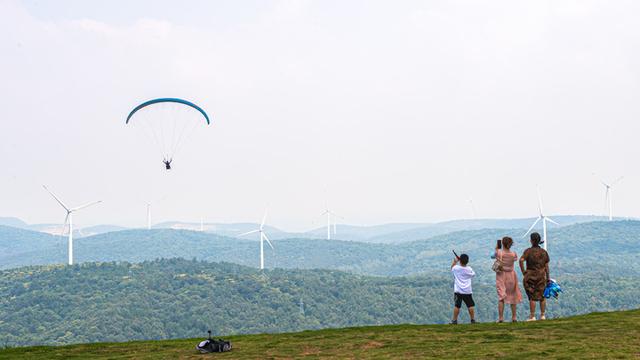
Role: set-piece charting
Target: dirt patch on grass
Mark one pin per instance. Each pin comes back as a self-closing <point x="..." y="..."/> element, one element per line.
<point x="372" y="345"/>
<point x="310" y="350"/>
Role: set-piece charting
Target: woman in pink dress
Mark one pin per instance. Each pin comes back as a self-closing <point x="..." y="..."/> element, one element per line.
<point x="507" y="280"/>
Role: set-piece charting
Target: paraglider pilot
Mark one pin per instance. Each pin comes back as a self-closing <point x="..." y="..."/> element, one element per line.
<point x="167" y="163"/>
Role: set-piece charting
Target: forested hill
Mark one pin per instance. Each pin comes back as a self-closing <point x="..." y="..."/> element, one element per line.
<point x="183" y="298"/>
<point x="578" y="248"/>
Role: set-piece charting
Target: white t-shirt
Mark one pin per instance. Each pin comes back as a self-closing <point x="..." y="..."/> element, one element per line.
<point x="463" y="276"/>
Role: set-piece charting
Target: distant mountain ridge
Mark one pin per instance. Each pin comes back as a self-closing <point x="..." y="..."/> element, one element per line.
<point x="446" y="227"/>
<point x="56" y="229"/>
<point x="13" y="222"/>
<point x="595" y="244"/>
<point x="383" y="233"/>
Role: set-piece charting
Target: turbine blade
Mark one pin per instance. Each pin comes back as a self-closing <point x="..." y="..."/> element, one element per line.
<point x="606" y="201"/>
<point x="551" y="220"/>
<point x="532" y="226"/>
<point x="539" y="201"/>
<point x="248" y="232"/>
<point x="66" y="221"/>
<point x="268" y="241"/>
<point x="86" y="205"/>
<point x="55" y="197"/>
<point x="617" y="180"/>
<point x="264" y="218"/>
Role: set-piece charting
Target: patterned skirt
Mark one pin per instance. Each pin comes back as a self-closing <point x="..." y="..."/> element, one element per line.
<point x="534" y="282"/>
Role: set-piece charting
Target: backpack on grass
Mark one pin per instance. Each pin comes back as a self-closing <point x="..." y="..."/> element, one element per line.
<point x="213" y="345"/>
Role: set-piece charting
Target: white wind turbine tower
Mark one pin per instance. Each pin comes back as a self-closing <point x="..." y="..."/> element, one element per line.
<point x="330" y="214"/>
<point x="544" y="219"/>
<point x="150" y="204"/>
<point x="473" y="209"/>
<point x="263" y="237"/>
<point x="148" y="216"/>
<point x="608" y="197"/>
<point x="69" y="219"/>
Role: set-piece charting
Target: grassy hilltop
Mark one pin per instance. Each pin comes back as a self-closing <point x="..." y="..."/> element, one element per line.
<point x="614" y="335"/>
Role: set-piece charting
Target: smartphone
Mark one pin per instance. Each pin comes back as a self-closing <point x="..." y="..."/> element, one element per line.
<point x="499" y="244"/>
<point x="456" y="255"/>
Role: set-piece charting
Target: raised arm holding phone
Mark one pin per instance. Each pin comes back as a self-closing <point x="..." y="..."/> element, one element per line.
<point x="462" y="292"/>
<point x="456" y="259"/>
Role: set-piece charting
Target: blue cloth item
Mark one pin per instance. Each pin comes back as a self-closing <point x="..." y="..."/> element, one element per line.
<point x="552" y="289"/>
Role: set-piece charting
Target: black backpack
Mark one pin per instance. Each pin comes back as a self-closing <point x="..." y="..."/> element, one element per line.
<point x="213" y="345"/>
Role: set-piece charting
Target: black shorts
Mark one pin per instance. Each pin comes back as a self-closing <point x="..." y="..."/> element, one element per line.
<point x="467" y="298"/>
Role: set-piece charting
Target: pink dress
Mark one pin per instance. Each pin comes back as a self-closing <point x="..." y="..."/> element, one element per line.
<point x="507" y="280"/>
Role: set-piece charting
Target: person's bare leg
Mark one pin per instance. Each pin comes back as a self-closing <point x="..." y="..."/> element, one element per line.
<point x="543" y="307"/>
<point x="500" y="310"/>
<point x="472" y="313"/>
<point x="514" y="315"/>
<point x="532" y="309"/>
<point x="456" y="311"/>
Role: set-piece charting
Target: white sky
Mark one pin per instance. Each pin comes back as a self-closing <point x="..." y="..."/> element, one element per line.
<point x="401" y="109"/>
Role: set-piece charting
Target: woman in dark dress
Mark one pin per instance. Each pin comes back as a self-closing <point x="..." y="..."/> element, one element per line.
<point x="536" y="275"/>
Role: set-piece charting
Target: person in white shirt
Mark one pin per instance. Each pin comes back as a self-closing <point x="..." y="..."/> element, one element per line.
<point x="462" y="287"/>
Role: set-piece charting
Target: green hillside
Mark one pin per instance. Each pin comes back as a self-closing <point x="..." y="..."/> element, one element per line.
<point x="176" y="298"/>
<point x="614" y="335"/>
<point x="577" y="249"/>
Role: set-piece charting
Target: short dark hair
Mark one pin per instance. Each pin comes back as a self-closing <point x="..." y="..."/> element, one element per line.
<point x="507" y="242"/>
<point x="464" y="259"/>
<point x="535" y="239"/>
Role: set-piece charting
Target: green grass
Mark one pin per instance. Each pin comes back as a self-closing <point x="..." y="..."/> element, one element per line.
<point x="614" y="335"/>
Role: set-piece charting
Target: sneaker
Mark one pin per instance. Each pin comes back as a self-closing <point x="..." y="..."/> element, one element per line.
<point x="473" y="321"/>
<point x="531" y="319"/>
<point x="542" y="317"/>
<point x="499" y="321"/>
<point x="514" y="321"/>
<point x="453" y="322"/>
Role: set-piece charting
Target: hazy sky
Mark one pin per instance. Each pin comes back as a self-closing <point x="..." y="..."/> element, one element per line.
<point x="402" y="110"/>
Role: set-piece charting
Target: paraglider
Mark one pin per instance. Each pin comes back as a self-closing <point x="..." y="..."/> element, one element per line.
<point x="169" y="122"/>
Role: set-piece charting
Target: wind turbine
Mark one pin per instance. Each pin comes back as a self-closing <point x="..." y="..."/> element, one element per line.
<point x="69" y="219"/>
<point x="150" y="203"/>
<point x="473" y="209"/>
<point x="544" y="219"/>
<point x="329" y="214"/>
<point x="263" y="237"/>
<point x="608" y="198"/>
<point x="148" y="216"/>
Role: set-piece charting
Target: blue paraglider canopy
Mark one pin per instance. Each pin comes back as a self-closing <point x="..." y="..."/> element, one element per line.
<point x="162" y="100"/>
